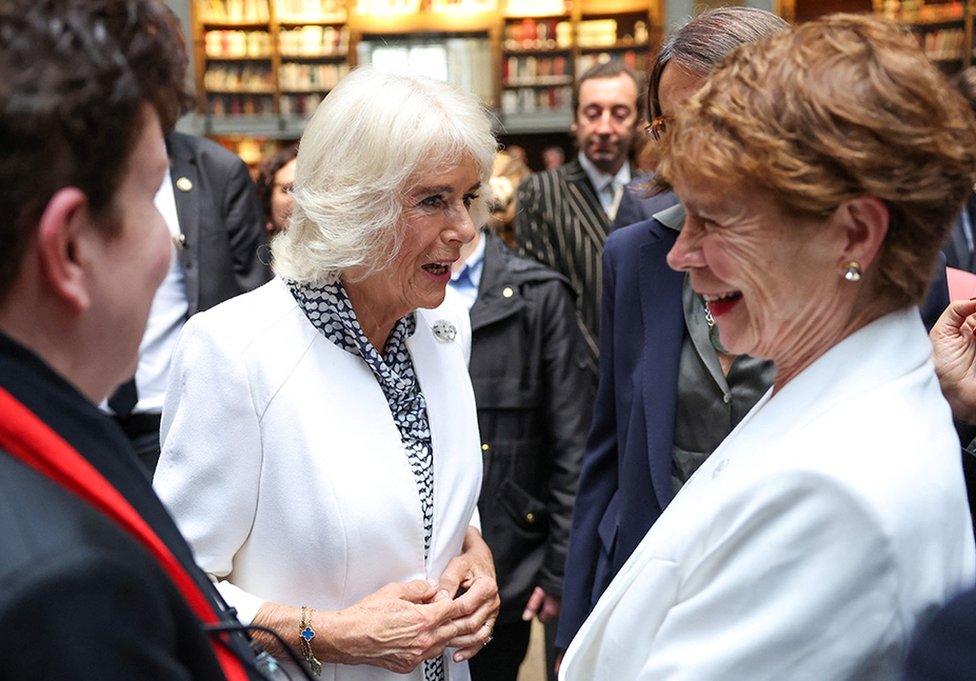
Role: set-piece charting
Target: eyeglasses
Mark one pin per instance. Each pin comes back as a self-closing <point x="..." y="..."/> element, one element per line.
<point x="658" y="126"/>
<point x="262" y="664"/>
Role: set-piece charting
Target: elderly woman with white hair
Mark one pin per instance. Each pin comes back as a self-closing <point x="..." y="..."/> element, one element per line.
<point x="320" y="446"/>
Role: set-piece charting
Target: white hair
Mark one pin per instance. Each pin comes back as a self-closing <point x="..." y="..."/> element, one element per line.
<point x="368" y="144"/>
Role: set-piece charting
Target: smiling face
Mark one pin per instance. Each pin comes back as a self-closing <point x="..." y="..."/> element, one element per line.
<point x="605" y="120"/>
<point x="435" y="224"/>
<point x="771" y="281"/>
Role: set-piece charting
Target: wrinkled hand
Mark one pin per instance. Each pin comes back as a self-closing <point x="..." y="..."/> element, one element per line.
<point x="954" y="355"/>
<point x="541" y="605"/>
<point x="396" y="628"/>
<point x="473" y="571"/>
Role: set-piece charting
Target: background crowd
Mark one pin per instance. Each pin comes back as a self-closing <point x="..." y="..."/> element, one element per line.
<point x="374" y="413"/>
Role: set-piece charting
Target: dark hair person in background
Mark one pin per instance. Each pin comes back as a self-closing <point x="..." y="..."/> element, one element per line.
<point x="564" y="214"/>
<point x="834" y="517"/>
<point x="276" y="176"/>
<point x="667" y="396"/>
<point x="97" y="581"/>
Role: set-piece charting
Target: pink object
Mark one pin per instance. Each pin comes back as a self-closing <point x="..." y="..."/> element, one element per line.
<point x="962" y="284"/>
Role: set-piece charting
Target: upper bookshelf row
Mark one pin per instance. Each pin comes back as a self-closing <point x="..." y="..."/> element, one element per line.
<point x="274" y="60"/>
<point x="253" y="12"/>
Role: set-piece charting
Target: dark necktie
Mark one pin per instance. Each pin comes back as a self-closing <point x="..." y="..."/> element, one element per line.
<point x="124" y="399"/>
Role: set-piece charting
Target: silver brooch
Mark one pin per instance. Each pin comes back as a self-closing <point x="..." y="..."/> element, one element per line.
<point x="444" y="331"/>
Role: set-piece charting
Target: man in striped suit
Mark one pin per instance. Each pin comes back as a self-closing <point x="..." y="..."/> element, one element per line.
<point x="564" y="215"/>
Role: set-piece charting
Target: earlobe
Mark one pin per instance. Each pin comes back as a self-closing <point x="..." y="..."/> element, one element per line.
<point x="62" y="228"/>
<point x="865" y="222"/>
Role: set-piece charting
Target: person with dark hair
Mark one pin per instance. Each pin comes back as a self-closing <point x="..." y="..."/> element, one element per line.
<point x="214" y="219"/>
<point x="276" y="175"/>
<point x="97" y="581"/>
<point x="564" y="214"/>
<point x="833" y="518"/>
<point x="668" y="395"/>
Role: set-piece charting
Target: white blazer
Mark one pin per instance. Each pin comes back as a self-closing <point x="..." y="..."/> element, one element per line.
<point x="813" y="540"/>
<point x="284" y="469"/>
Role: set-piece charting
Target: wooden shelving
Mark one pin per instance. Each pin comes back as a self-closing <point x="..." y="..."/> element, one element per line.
<point x="302" y="47"/>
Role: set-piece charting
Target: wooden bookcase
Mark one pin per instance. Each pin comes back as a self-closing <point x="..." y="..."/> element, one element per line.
<point x="944" y="27"/>
<point x="262" y="66"/>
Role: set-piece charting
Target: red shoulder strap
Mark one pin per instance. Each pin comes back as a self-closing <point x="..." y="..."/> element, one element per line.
<point x="33" y="442"/>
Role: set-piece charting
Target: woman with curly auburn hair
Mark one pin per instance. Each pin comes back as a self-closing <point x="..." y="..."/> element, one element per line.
<point x="821" y="170"/>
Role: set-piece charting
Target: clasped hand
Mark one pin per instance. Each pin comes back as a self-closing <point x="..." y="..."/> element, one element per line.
<point x="403" y="624"/>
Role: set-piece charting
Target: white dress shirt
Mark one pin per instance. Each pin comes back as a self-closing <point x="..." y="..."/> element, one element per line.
<point x="167" y="315"/>
<point x="609" y="188"/>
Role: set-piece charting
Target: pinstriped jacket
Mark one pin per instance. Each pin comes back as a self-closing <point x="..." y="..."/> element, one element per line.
<point x="561" y="223"/>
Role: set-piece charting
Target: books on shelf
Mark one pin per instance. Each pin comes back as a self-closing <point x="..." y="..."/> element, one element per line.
<point x="239" y="105"/>
<point x="536" y="100"/>
<point x="536" y="70"/>
<point x="244" y="78"/>
<point x="224" y="43"/>
<point x="919" y="12"/>
<point x="310" y="77"/>
<point x="313" y="41"/>
<point x="944" y="44"/>
<point x="321" y="11"/>
<point x="536" y="34"/>
<point x="234" y="11"/>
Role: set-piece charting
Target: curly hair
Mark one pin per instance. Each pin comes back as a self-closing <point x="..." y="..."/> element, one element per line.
<point x="837" y="108"/>
<point x="75" y="76"/>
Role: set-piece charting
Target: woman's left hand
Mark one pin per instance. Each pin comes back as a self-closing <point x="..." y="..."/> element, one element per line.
<point x="954" y="356"/>
<point x="473" y="571"/>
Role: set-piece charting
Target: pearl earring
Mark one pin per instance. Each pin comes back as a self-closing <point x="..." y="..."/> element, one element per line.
<point x="852" y="272"/>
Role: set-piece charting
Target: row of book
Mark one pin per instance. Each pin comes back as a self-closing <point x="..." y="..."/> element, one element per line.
<point x="240" y="105"/>
<point x="234" y="11"/>
<point x="300" y="105"/>
<point x="254" y="44"/>
<point x="635" y="59"/>
<point x="532" y="70"/>
<point x="609" y="32"/>
<point x="535" y="100"/>
<point x="944" y="44"/>
<point x="314" y="41"/>
<point x="252" y="78"/>
<point x="538" y="34"/>
<point x="310" y="10"/>
<point x="308" y="77"/>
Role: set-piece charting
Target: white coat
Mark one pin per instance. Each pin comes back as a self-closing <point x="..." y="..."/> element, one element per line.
<point x="284" y="469"/>
<point x="813" y="540"/>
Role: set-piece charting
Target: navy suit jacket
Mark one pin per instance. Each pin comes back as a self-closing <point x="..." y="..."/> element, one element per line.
<point x="945" y="649"/>
<point x="625" y="480"/>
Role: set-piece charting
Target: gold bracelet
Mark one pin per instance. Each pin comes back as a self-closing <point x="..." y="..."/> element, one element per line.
<point x="305" y="635"/>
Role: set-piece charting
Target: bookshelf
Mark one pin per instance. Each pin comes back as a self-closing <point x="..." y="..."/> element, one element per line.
<point x="944" y="27"/>
<point x="262" y="66"/>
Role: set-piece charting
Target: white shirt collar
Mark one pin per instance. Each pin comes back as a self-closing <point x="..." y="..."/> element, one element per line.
<point x="599" y="178"/>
